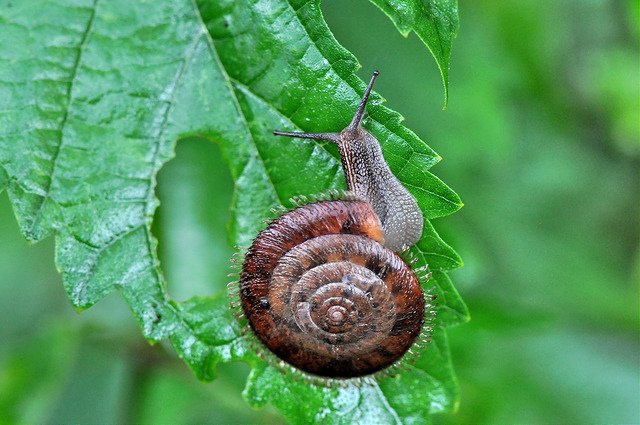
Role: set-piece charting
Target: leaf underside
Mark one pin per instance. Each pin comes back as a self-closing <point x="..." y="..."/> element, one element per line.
<point x="94" y="96"/>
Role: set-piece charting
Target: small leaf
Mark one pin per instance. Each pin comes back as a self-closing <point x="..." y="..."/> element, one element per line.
<point x="434" y="21"/>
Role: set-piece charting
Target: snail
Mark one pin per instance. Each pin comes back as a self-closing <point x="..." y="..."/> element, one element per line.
<point x="323" y="286"/>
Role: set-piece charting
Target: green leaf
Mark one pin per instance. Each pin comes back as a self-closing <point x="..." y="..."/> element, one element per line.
<point x="434" y="21"/>
<point x="428" y="385"/>
<point x="451" y="309"/>
<point x="432" y="250"/>
<point x="96" y="94"/>
<point x="364" y="403"/>
<point x="211" y="335"/>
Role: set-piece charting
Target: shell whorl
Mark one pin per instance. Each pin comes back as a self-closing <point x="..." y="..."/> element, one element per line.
<point x="323" y="294"/>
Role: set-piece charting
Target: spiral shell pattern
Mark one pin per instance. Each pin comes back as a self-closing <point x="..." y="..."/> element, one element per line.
<point x="323" y="294"/>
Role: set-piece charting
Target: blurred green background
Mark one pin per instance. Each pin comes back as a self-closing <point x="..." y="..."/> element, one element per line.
<point x="541" y="139"/>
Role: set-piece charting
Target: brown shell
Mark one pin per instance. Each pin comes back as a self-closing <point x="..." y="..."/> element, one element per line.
<point x="322" y="293"/>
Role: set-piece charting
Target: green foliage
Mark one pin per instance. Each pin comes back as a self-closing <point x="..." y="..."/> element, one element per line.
<point x="536" y="142"/>
<point x="435" y="22"/>
<point x="95" y="96"/>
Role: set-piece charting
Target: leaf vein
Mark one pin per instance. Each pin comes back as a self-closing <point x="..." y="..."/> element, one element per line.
<point x="65" y="116"/>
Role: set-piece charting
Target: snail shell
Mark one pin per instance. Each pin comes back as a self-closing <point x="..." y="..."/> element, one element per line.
<point x="323" y="294"/>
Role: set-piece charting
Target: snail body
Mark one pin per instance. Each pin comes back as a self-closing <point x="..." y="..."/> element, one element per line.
<point x="369" y="177"/>
<point x="322" y="287"/>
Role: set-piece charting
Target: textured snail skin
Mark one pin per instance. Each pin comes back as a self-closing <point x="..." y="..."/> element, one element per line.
<point x="321" y="291"/>
<point x="368" y="176"/>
